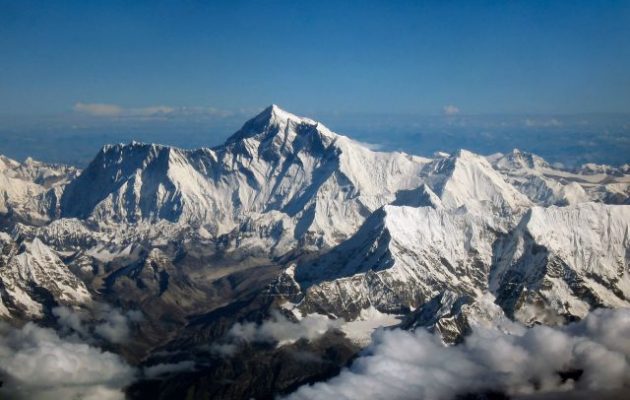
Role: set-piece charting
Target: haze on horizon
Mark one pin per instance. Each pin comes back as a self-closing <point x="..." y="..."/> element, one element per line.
<point x="548" y="77"/>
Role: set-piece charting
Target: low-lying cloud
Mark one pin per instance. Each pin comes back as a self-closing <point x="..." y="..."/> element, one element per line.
<point x="278" y="329"/>
<point x="416" y="365"/>
<point x="37" y="364"/>
<point x="282" y="330"/>
<point x="101" y="321"/>
<point x="158" y="370"/>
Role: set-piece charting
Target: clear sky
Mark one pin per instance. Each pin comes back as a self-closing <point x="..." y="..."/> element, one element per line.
<point x="86" y="64"/>
<point x="314" y="56"/>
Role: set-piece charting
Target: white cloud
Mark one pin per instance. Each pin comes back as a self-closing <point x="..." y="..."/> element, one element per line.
<point x="278" y="329"/>
<point x="543" y="123"/>
<point x="406" y="365"/>
<point x="37" y="364"/>
<point x="114" y="325"/>
<point x="450" y="110"/>
<point x="102" y="321"/>
<point x="98" y="109"/>
<point x="159" y="111"/>
<point x="163" y="369"/>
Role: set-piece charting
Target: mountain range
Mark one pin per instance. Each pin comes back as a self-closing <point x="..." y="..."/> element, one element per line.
<point x="290" y="222"/>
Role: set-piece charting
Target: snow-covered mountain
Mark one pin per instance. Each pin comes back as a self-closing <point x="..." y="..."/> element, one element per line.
<point x="288" y="215"/>
<point x="30" y="191"/>
<point x="547" y="186"/>
<point x="277" y="168"/>
<point x="466" y="180"/>
<point x="33" y="278"/>
<point x="288" y="222"/>
<point x="399" y="259"/>
<point x="560" y="262"/>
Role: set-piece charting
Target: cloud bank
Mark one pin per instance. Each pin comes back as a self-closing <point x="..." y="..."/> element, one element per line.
<point x="406" y="365"/>
<point x="37" y="364"/>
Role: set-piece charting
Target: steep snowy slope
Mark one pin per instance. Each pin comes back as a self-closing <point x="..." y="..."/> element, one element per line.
<point x="466" y="180"/>
<point x="46" y="175"/>
<point x="33" y="278"/>
<point x="557" y="264"/>
<point x="326" y="184"/>
<point x="19" y="195"/>
<point x="547" y="186"/>
<point x="562" y="261"/>
<point x="30" y="191"/>
<point x="399" y="259"/>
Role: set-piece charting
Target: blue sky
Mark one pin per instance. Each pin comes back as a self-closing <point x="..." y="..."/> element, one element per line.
<point x="343" y="56"/>
<point x="87" y="65"/>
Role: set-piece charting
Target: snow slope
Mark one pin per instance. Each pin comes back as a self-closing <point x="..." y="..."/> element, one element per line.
<point x="547" y="186"/>
<point x="562" y="261"/>
<point x="30" y="191"/>
<point x="399" y="259"/>
<point x="33" y="277"/>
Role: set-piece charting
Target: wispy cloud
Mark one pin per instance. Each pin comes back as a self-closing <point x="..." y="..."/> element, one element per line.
<point x="118" y="111"/>
<point x="164" y="369"/>
<point x="102" y="322"/>
<point x="278" y="329"/>
<point x="542" y="123"/>
<point x="450" y="110"/>
<point x="98" y="109"/>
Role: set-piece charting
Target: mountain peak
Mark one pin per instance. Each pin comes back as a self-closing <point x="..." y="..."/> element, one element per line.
<point x="275" y="112"/>
<point x="269" y="122"/>
<point x="468" y="179"/>
<point x="518" y="159"/>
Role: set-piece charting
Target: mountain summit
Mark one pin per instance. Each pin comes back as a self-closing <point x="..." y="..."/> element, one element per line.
<point x="271" y="121"/>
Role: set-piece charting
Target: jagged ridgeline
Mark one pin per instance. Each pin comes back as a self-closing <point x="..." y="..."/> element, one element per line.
<point x="290" y="221"/>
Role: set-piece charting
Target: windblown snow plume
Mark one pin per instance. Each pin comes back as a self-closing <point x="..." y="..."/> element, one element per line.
<point x="37" y="364"/>
<point x="591" y="355"/>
